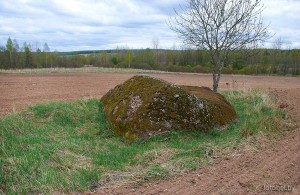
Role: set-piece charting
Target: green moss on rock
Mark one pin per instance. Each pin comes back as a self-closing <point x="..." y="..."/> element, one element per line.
<point x="144" y="106"/>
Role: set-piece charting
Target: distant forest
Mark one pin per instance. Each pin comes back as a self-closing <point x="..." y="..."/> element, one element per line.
<point x="260" y="61"/>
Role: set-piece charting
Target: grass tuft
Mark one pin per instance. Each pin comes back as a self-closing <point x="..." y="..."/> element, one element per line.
<point x="70" y="147"/>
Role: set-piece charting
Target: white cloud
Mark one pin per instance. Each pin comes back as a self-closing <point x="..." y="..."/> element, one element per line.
<point x="284" y="19"/>
<point x="106" y="24"/>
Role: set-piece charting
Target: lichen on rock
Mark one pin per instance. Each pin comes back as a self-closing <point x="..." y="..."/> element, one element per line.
<point x="144" y="106"/>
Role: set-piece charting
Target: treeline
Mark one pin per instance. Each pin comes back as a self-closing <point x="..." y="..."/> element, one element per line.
<point x="262" y="61"/>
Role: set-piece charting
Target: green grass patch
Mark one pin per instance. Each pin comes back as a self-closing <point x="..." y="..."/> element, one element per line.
<point x="70" y="147"/>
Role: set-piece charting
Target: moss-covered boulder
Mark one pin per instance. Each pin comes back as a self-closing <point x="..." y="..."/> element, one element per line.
<point x="144" y="106"/>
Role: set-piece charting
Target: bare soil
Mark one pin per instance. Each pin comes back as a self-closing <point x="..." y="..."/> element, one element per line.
<point x="275" y="164"/>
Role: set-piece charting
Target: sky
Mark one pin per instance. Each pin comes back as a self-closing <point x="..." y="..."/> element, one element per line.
<point x="72" y="25"/>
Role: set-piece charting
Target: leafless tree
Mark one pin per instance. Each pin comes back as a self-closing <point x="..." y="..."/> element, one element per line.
<point x="220" y="26"/>
<point x="46" y="50"/>
<point x="276" y="55"/>
<point x="155" y="42"/>
<point x="277" y="44"/>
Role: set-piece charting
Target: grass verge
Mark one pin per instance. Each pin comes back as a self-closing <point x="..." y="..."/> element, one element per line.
<point x="69" y="147"/>
<point x="76" y="70"/>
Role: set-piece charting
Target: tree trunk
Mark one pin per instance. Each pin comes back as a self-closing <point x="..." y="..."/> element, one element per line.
<point x="216" y="80"/>
<point x="10" y="60"/>
<point x="215" y="83"/>
<point x="47" y="60"/>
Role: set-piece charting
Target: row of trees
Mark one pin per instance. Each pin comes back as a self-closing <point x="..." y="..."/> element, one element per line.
<point x="12" y="56"/>
<point x="263" y="61"/>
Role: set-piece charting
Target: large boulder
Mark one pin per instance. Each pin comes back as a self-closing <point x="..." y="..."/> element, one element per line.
<point x="144" y="106"/>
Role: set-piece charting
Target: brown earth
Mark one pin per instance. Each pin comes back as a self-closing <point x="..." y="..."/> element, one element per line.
<point x="247" y="173"/>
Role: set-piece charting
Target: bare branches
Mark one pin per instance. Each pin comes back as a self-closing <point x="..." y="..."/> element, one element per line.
<point x="220" y="26"/>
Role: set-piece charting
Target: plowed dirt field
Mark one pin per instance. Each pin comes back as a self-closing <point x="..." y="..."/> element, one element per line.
<point x="276" y="164"/>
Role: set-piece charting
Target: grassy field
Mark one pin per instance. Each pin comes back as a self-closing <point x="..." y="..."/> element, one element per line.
<point x="70" y="147"/>
<point x="75" y="70"/>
